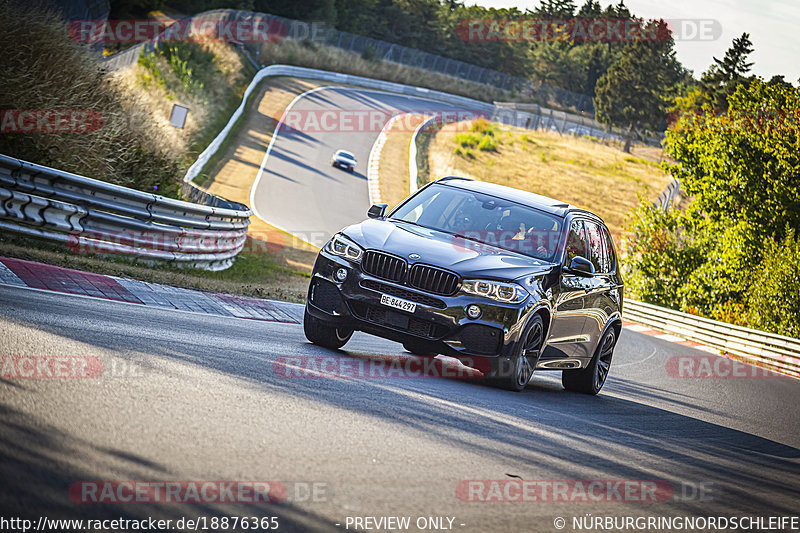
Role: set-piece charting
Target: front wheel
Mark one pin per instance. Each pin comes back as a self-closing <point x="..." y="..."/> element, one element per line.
<point x="591" y="379"/>
<point x="518" y="373"/>
<point x="325" y="335"/>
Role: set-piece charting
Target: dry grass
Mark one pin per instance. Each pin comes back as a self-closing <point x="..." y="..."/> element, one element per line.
<point x="44" y="70"/>
<point x="394" y="160"/>
<point x="580" y="171"/>
<point x="136" y="147"/>
<point x="307" y="54"/>
<point x="221" y="86"/>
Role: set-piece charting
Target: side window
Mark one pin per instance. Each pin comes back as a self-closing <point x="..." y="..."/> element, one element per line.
<point x="576" y="241"/>
<point x="609" y="251"/>
<point x="597" y="250"/>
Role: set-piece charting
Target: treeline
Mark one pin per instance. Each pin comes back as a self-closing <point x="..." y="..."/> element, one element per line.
<point x="436" y="26"/>
<point x="734" y="253"/>
<point x="634" y="83"/>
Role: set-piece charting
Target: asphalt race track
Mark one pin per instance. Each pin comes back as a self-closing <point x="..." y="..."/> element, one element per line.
<point x="189" y="397"/>
<point x="297" y="189"/>
<point x="207" y="398"/>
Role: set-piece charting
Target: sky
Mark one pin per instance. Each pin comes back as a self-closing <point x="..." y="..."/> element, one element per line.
<point x="773" y="25"/>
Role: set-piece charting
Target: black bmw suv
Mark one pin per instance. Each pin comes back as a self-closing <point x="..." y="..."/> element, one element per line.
<point x="505" y="280"/>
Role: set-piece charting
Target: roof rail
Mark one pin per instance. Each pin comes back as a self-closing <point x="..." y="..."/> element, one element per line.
<point x="453" y="178"/>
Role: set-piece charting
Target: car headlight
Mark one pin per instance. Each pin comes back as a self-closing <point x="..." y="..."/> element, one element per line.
<point x="496" y="290"/>
<point x="344" y="247"/>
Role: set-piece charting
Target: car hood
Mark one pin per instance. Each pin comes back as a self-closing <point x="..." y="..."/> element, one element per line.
<point x="467" y="258"/>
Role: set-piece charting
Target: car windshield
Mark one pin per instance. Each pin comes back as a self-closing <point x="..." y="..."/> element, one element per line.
<point x="346" y="155"/>
<point x="484" y="219"/>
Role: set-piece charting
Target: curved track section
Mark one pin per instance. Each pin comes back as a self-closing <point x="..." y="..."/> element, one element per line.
<point x="297" y="189"/>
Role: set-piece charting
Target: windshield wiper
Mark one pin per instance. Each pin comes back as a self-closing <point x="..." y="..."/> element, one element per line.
<point x="408" y="222"/>
<point x="473" y="239"/>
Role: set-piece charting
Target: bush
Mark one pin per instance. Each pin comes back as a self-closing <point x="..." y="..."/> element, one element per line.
<point x="718" y="287"/>
<point x="727" y="257"/>
<point x="488" y="144"/>
<point x="369" y="54"/>
<point x="773" y="302"/>
<point x="660" y="255"/>
<point x="482" y="126"/>
<point x="467" y="140"/>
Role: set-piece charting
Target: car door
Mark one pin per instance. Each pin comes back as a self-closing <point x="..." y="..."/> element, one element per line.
<point x="567" y="337"/>
<point x="599" y="303"/>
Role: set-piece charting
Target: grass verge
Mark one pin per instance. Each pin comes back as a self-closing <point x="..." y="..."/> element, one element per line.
<point x="584" y="172"/>
<point x="312" y="55"/>
<point x="257" y="272"/>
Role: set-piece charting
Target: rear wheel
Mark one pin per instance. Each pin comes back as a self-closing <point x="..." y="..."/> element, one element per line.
<point x="591" y="379"/>
<point x="323" y="334"/>
<point x="516" y="375"/>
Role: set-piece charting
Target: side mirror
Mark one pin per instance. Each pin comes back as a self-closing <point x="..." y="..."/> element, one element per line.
<point x="580" y="266"/>
<point x="377" y="211"/>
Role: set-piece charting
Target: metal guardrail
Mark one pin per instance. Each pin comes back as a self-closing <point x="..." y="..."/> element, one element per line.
<point x="413" y="168"/>
<point x="93" y="216"/>
<point x="667" y="196"/>
<point x="769" y="350"/>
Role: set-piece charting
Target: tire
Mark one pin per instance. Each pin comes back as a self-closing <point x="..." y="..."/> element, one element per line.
<point x="515" y="377"/>
<point x="591" y="379"/>
<point x="325" y="335"/>
<point x="418" y="349"/>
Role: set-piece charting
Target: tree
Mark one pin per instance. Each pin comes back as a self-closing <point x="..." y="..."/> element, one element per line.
<point x="779" y="80"/>
<point x="590" y="9"/>
<point x="726" y="74"/>
<point x="744" y="164"/>
<point x="635" y="89"/>
<point x="734" y="64"/>
<point x="734" y="253"/>
<point x="558" y="9"/>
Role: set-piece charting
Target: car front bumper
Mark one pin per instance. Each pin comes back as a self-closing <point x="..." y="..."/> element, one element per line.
<point x="343" y="164"/>
<point x="439" y="323"/>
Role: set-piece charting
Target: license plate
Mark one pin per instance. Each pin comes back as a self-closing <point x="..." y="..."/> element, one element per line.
<point x="398" y="303"/>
